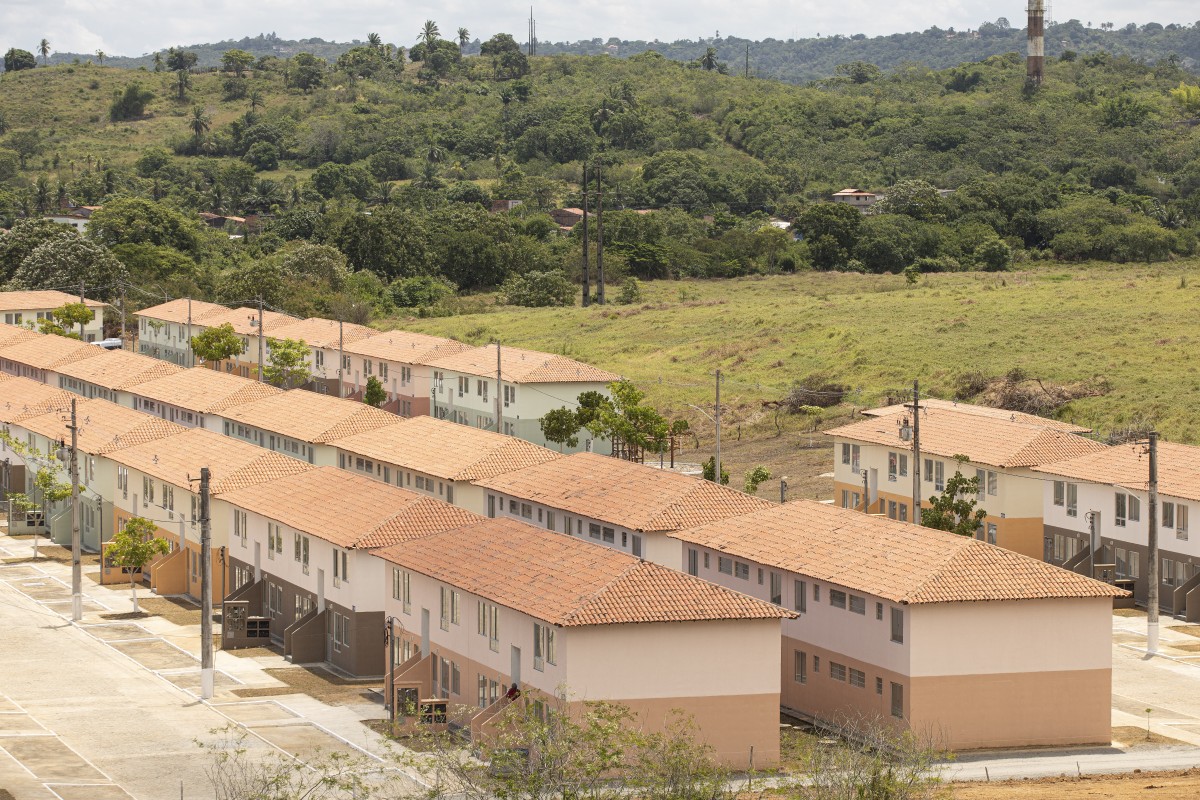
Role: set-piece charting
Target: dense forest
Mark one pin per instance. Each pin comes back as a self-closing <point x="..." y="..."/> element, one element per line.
<point x="791" y="60"/>
<point x="370" y="178"/>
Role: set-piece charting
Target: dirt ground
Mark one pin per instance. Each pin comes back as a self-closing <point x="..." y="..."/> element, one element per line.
<point x="54" y="552"/>
<point x="1183" y="785"/>
<point x="179" y="610"/>
<point x="316" y="683"/>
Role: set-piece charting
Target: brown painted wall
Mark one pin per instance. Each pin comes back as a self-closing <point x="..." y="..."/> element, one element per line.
<point x="830" y="699"/>
<point x="1014" y="709"/>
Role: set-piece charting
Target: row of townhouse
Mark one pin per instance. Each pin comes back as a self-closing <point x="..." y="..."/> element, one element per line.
<point x="501" y="389"/>
<point x="28" y="308"/>
<point x="376" y="580"/>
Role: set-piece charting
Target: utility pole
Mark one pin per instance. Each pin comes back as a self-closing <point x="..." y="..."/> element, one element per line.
<point x="76" y="511"/>
<point x="587" y="279"/>
<point x="206" y="606"/>
<point x="191" y="362"/>
<point x="599" y="237"/>
<point x="260" y="339"/>
<point x="747" y="59"/>
<point x="1152" y="573"/>
<point x="717" y="457"/>
<point x="341" y="356"/>
<point x="499" y="385"/>
<point x="83" y="301"/>
<point x="122" y="306"/>
<point x="916" y="467"/>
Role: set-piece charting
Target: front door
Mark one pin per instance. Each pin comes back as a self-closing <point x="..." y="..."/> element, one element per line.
<point x="515" y="665"/>
<point x="257" y="561"/>
<point x="320" y="590"/>
<point x="424" y="632"/>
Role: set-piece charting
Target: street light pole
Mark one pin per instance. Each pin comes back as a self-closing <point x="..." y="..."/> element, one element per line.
<point x="717" y="456"/>
<point x="1152" y="575"/>
<point x="76" y="542"/>
<point x="206" y="609"/>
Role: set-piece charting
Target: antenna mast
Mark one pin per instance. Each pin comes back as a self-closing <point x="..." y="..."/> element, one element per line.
<point x="1035" y="63"/>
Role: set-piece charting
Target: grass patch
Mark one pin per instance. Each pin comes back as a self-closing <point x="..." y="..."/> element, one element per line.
<point x="1133" y="737"/>
<point x="1190" y="630"/>
<point x="1129" y="612"/>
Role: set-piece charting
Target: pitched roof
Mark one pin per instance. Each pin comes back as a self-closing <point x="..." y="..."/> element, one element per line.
<point x="21" y="398"/>
<point x="234" y="464"/>
<point x="205" y="390"/>
<point x="36" y="300"/>
<point x="893" y="560"/>
<point x="245" y="320"/>
<point x="446" y="450"/>
<point x="118" y="369"/>
<point x="523" y="366"/>
<point x="177" y="310"/>
<point x="49" y="352"/>
<point x="405" y="347"/>
<point x="11" y="334"/>
<point x="311" y="417"/>
<point x="1128" y="466"/>
<point x="104" y="426"/>
<point x="317" y="332"/>
<point x="981" y="411"/>
<point x="634" y="496"/>
<point x="566" y="581"/>
<point x="350" y="510"/>
<point x="983" y="440"/>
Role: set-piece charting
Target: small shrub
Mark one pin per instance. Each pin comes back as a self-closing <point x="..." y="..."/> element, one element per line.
<point x="815" y="390"/>
<point x="631" y="292"/>
<point x="421" y="291"/>
<point x="538" y="290"/>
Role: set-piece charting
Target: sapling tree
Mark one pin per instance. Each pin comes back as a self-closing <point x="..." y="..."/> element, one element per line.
<point x="287" y="366"/>
<point x="374" y="395"/>
<point x="955" y="509"/>
<point x="49" y="484"/>
<point x="65" y="319"/>
<point x="560" y="426"/>
<point x="133" y="547"/>
<point x="217" y="343"/>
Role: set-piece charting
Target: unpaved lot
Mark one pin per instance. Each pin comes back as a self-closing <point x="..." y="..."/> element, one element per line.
<point x="1158" y="785"/>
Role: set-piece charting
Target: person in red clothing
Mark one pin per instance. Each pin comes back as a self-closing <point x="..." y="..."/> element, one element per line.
<point x="513" y="693"/>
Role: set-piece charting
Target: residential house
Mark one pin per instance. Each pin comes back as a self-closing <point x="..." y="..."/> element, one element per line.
<point x="943" y="635"/>
<point x="39" y="358"/>
<point x="986" y="412"/>
<point x="1097" y="516"/>
<point x="856" y="198"/>
<point x="475" y="609"/>
<point x="20" y="399"/>
<point x="326" y="340"/>
<point x="245" y="323"/>
<point x="302" y="424"/>
<point x="566" y="218"/>
<point x="438" y="457"/>
<point x="198" y="397"/>
<point x="302" y="562"/>
<point x="159" y="480"/>
<point x="101" y="428"/>
<point x="111" y="375"/>
<point x="400" y="360"/>
<point x="616" y="503"/>
<point x="165" y="331"/>
<point x="30" y="307"/>
<point x="872" y="469"/>
<point x="464" y="390"/>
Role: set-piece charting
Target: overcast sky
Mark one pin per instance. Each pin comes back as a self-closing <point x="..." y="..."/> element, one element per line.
<point x="134" y="27"/>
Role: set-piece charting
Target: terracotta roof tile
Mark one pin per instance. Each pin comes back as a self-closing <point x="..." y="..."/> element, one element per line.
<point x="177" y="459"/>
<point x="11" y="334"/>
<point x="21" y="398"/>
<point x="446" y="450"/>
<point x="523" y="366"/>
<point x="177" y="311"/>
<point x="406" y="348"/>
<point x="317" y="332"/>
<point x="1128" y="466"/>
<point x="349" y="510"/>
<point x="245" y="320"/>
<point x="311" y="417"/>
<point x="49" y="352"/>
<point x="634" y="496"/>
<point x="35" y="300"/>
<point x="205" y="390"/>
<point x="103" y="426"/>
<point x="996" y="442"/>
<point x="566" y="581"/>
<point x="118" y="369"/>
<point x="897" y="561"/>
<point x="981" y="411"/>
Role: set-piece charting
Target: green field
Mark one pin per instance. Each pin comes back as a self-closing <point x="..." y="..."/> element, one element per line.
<point x="1135" y="326"/>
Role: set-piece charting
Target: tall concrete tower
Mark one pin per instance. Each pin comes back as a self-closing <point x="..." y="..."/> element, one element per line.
<point x="1035" y="64"/>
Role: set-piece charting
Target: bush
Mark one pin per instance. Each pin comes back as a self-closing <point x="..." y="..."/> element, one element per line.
<point x="631" y="292"/>
<point x="538" y="289"/>
<point x="993" y="256"/>
<point x="815" y="390"/>
<point x="262" y="156"/>
<point x="421" y="291"/>
<point x="131" y="104"/>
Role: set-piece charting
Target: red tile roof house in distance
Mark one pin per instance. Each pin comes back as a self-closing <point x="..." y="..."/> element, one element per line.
<point x="158" y="480"/>
<point x="28" y="307"/>
<point x="941" y="634"/>
<point x="39" y="357"/>
<point x="499" y="602"/>
<point x="111" y="375"/>
<point x="165" y="331"/>
<point x="400" y="361"/>
<point x="198" y="397"/>
<point x="438" y="457"/>
<point x="1110" y="485"/>
<point x="616" y="503"/>
<point x="245" y="323"/>
<point x="463" y="390"/>
<point x="302" y="562"/>
<point x="303" y="424"/>
<point x="1001" y="451"/>
<point x="324" y="337"/>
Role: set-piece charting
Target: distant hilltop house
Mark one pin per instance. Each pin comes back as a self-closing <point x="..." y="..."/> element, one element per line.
<point x="500" y="206"/>
<point x="857" y="198"/>
<point x="75" y="216"/>
<point x="567" y="217"/>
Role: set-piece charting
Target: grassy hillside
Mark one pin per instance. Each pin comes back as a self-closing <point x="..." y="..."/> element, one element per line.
<point x="1136" y="327"/>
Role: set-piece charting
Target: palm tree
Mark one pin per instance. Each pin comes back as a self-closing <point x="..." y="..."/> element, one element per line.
<point x="100" y="56"/>
<point x="183" y="80"/>
<point x="256" y="99"/>
<point x="199" y="122"/>
<point x="374" y="40"/>
<point x="709" y="59"/>
<point x="435" y="153"/>
<point x="602" y="115"/>
<point x="41" y="194"/>
<point x="44" y="52"/>
<point x="158" y="62"/>
<point x="429" y="33"/>
<point x="464" y="36"/>
<point x="383" y="193"/>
